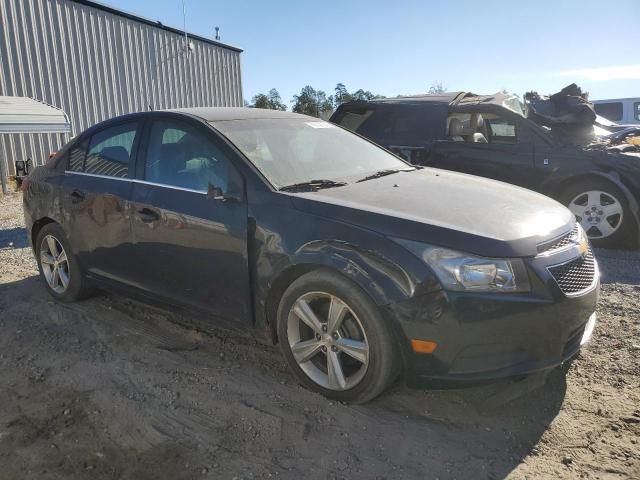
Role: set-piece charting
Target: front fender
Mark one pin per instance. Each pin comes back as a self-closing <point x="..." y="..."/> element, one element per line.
<point x="382" y="279"/>
<point x="387" y="272"/>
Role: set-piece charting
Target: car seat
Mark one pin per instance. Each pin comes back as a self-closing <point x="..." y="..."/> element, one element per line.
<point x="456" y="130"/>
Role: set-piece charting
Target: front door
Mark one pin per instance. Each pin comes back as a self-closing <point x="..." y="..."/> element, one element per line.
<point x="190" y="245"/>
<point x="495" y="147"/>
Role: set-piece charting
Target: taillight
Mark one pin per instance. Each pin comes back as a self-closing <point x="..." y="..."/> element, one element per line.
<point x="26" y="183"/>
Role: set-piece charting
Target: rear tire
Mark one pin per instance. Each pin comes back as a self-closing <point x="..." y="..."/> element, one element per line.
<point x="603" y="211"/>
<point x="59" y="268"/>
<point x="343" y="347"/>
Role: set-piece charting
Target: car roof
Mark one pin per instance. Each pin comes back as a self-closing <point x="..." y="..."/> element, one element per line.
<point x="442" y="98"/>
<point x="436" y="100"/>
<point x="218" y="114"/>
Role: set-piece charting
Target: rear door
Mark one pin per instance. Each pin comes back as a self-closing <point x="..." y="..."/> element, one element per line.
<point x="190" y="246"/>
<point x="408" y="130"/>
<point x="506" y="155"/>
<point x="95" y="199"/>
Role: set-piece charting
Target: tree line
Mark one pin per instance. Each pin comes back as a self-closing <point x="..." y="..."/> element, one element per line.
<point x="317" y="103"/>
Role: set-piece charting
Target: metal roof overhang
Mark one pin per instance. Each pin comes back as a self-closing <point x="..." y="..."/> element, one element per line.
<point x="26" y="115"/>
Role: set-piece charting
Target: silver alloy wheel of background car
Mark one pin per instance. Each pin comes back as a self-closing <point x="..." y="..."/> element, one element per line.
<point x="599" y="213"/>
<point x="55" y="264"/>
<point x="328" y="341"/>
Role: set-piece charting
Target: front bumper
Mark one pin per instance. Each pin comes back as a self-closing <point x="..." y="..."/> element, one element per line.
<point x="482" y="337"/>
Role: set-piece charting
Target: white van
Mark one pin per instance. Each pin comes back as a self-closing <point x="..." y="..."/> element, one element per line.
<point x="624" y="111"/>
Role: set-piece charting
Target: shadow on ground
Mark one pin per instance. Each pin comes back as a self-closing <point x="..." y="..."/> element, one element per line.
<point x="15" y="237"/>
<point x="110" y="386"/>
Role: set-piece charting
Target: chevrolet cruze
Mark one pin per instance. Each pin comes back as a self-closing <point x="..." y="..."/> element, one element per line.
<point x="361" y="266"/>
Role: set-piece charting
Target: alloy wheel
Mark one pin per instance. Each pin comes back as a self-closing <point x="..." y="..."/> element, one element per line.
<point x="55" y="264"/>
<point x="599" y="213"/>
<point x="327" y="341"/>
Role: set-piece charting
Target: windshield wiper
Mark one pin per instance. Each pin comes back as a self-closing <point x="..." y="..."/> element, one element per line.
<point x="382" y="173"/>
<point x="311" y="186"/>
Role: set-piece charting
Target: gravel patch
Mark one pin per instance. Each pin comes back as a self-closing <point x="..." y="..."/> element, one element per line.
<point x="111" y="388"/>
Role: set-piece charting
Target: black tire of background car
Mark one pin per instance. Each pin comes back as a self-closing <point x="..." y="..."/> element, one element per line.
<point x="625" y="236"/>
<point x="384" y="359"/>
<point x="79" y="287"/>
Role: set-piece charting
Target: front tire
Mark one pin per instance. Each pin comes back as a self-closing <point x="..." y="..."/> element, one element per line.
<point x="603" y="212"/>
<point x="58" y="266"/>
<point x="335" y="339"/>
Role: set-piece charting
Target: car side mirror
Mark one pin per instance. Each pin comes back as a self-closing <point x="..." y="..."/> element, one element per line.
<point x="235" y="188"/>
<point x="215" y="193"/>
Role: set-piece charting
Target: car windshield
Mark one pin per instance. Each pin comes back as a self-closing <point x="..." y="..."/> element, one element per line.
<point x="290" y="151"/>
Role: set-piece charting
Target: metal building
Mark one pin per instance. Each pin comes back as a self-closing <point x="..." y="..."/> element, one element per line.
<point x="95" y="62"/>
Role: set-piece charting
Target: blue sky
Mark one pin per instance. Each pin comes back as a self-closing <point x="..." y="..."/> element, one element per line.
<point x="403" y="46"/>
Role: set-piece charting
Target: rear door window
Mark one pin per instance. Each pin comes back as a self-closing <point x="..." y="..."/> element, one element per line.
<point x="373" y="123"/>
<point x="77" y="155"/>
<point x="110" y="151"/>
<point x="353" y="120"/>
<point x="394" y="125"/>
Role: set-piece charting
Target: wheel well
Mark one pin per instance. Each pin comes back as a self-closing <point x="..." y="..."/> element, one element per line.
<point x="622" y="188"/>
<point x="37" y="226"/>
<point x="559" y="188"/>
<point x="282" y="282"/>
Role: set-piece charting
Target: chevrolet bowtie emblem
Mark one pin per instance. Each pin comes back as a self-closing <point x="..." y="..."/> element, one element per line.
<point x="583" y="246"/>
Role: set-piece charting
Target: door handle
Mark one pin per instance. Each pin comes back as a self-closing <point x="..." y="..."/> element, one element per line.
<point x="148" y="216"/>
<point x="77" y="196"/>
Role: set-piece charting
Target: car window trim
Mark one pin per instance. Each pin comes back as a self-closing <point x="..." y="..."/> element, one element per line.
<point x="136" y="180"/>
<point x="196" y="125"/>
<point x="87" y="137"/>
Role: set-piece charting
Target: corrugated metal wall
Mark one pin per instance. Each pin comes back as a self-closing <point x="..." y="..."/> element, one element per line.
<point x="95" y="65"/>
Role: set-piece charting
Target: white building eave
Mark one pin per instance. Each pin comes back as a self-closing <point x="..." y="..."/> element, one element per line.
<point x="26" y="115"/>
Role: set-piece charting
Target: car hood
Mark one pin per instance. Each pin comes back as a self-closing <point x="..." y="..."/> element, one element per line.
<point x="450" y="209"/>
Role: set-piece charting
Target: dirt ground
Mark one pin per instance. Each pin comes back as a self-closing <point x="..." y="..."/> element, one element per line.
<point x="109" y="388"/>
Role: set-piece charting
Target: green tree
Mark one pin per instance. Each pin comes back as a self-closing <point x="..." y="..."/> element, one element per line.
<point x="437" y="87"/>
<point x="342" y="95"/>
<point x="313" y="102"/>
<point x="365" y="95"/>
<point x="271" y="101"/>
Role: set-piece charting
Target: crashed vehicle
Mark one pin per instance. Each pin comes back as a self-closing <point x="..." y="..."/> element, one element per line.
<point x="313" y="238"/>
<point x="571" y="119"/>
<point x="626" y="140"/>
<point x="546" y="144"/>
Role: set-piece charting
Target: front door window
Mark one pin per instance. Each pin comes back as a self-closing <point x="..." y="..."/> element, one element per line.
<point x="181" y="156"/>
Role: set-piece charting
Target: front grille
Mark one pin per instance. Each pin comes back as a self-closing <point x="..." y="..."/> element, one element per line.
<point x="575" y="276"/>
<point x="558" y="243"/>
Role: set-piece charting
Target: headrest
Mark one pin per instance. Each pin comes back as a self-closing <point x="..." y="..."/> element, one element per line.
<point x="479" y="138"/>
<point x="455" y="127"/>
<point x="117" y="154"/>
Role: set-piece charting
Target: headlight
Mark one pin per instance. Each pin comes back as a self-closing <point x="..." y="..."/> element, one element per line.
<point x="463" y="271"/>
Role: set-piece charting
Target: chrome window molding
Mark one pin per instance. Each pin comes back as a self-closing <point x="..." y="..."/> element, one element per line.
<point x="135" y="180"/>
